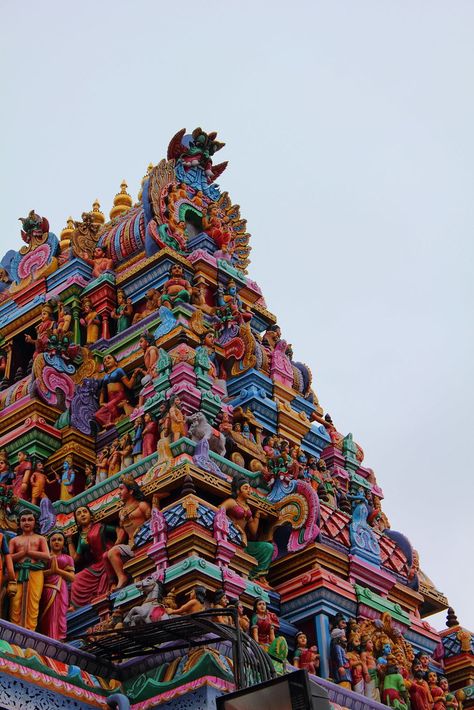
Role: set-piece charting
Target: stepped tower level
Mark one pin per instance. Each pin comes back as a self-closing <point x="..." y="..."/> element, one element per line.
<point x="163" y="454"/>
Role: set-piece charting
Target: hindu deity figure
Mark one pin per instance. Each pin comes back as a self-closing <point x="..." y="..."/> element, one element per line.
<point x="152" y="303"/>
<point x="102" y="463"/>
<point x="221" y="601"/>
<point x="327" y="489"/>
<point x="244" y="621"/>
<point x="394" y="693"/>
<point x="124" y="312"/>
<point x="67" y="479"/>
<point x="90" y="473"/>
<point x="6" y="563"/>
<point x="420" y="694"/>
<point x="38" y="480"/>
<point x="177" y="288"/>
<point x="113" y="398"/>
<point x="436" y="691"/>
<point x="126" y="450"/>
<point x="149" y="435"/>
<point x="43" y="329"/>
<point x="262" y="624"/>
<point x="195" y="603"/>
<point x="99" y="261"/>
<point x="208" y="346"/>
<point x="305" y="657"/>
<point x="87" y="551"/>
<point x="230" y="312"/>
<point x="138" y="425"/>
<point x="150" y="358"/>
<point x="353" y="655"/>
<point x="132" y="515"/>
<point x="63" y="324"/>
<point x="22" y="474"/>
<point x="115" y="458"/>
<point x="58" y="572"/>
<point x="176" y="419"/>
<point x="30" y="553"/>
<point x="271" y="337"/>
<point x="371" y="678"/>
<point x="91" y="321"/>
<point x="238" y="510"/>
<point x="340" y="666"/>
<point x="6" y="474"/>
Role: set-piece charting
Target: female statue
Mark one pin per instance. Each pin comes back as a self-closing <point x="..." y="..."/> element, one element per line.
<point x="238" y="510"/>
<point x="55" y="597"/>
<point x="87" y="551"/>
<point x="262" y="624"/>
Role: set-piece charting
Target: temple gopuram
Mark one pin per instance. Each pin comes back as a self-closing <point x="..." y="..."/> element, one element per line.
<point x="180" y="517"/>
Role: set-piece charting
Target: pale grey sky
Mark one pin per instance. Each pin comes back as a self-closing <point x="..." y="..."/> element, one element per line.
<point x="349" y="131"/>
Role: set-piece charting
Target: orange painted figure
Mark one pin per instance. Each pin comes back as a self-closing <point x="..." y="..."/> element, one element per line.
<point x="30" y="553"/>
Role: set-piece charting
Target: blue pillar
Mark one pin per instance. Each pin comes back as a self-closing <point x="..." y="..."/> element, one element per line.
<point x="321" y="622"/>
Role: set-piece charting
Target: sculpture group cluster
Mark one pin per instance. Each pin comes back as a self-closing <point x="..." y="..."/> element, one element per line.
<point x="152" y="365"/>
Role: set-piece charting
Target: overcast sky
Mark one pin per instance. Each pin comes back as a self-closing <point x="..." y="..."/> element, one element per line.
<point x="349" y="131"/>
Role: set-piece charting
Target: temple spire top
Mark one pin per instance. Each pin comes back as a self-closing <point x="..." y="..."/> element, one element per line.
<point x="122" y="202"/>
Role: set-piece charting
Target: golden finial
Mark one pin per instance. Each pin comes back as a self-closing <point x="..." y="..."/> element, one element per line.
<point x="68" y="229"/>
<point x="145" y="177"/>
<point x="65" y="236"/>
<point x="98" y="217"/>
<point x="122" y="201"/>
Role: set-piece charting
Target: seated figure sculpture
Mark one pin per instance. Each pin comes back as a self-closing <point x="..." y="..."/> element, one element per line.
<point x="238" y="510"/>
<point x="176" y="289"/>
<point x="132" y="515"/>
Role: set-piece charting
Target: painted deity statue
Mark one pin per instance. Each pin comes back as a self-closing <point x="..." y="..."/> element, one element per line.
<point x="305" y="657"/>
<point x="113" y="398"/>
<point x="394" y="693"/>
<point x="132" y="515"/>
<point x="43" y="329"/>
<point x="152" y="303"/>
<point x="22" y="474"/>
<point x="238" y="510"/>
<point x="59" y="572"/>
<point x="99" y="261"/>
<point x="38" y="480"/>
<point x="262" y="624"/>
<point x="149" y="434"/>
<point x="176" y="419"/>
<point x="123" y="313"/>
<point x="195" y="603"/>
<point x="30" y="553"/>
<point x="177" y="288"/>
<point x="150" y="359"/>
<point x="91" y="321"/>
<point x="340" y="666"/>
<point x="87" y="551"/>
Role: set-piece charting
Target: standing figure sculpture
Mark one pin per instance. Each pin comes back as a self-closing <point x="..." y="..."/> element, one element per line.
<point x="30" y="553"/>
<point x="124" y="312"/>
<point x="91" y="321"/>
<point x="305" y="657"/>
<point x="45" y="325"/>
<point x="176" y="419"/>
<point x="55" y="597"/>
<point x="262" y="624"/>
<point x="149" y="435"/>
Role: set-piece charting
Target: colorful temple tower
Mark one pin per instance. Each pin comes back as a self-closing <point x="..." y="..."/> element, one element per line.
<point x="163" y="453"/>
